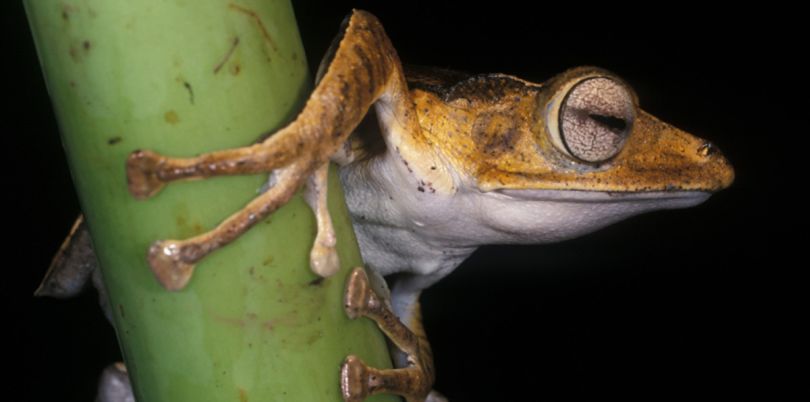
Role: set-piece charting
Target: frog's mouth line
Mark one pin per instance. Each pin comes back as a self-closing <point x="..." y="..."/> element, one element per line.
<point x="584" y="196"/>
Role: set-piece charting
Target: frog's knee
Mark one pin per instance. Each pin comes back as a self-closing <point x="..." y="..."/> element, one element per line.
<point x="72" y="265"/>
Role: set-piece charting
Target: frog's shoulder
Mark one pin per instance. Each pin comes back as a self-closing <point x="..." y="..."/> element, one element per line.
<point x="450" y="85"/>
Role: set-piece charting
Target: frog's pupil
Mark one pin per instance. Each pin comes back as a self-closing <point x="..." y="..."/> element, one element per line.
<point x="615" y="124"/>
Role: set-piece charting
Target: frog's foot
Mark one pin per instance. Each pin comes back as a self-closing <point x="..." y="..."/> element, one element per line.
<point x="323" y="258"/>
<point x="145" y="174"/>
<point x="168" y="262"/>
<point x="359" y="381"/>
<point x="114" y="385"/>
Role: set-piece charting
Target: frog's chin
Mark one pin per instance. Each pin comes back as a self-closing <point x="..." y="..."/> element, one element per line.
<point x="672" y="199"/>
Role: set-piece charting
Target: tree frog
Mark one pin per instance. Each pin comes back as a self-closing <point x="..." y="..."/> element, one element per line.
<point x="446" y="162"/>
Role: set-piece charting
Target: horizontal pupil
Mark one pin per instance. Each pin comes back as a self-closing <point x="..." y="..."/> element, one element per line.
<point x="612" y="123"/>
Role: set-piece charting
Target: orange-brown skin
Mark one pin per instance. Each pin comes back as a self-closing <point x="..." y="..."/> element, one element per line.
<point x="499" y="139"/>
<point x="486" y="132"/>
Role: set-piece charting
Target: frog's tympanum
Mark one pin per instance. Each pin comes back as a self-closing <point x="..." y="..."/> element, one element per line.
<point x="453" y="162"/>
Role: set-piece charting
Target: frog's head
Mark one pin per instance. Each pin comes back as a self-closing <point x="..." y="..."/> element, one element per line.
<point x="592" y="157"/>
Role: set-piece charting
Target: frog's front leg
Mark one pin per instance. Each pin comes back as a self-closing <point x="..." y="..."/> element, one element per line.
<point x="323" y="257"/>
<point x="172" y="261"/>
<point x="364" y="69"/>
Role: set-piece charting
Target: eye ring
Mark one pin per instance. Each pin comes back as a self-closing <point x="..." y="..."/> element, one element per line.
<point x="594" y="119"/>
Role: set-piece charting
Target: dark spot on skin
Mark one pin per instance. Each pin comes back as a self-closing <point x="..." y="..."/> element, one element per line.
<point x="86" y="45"/>
<point x="433" y="168"/>
<point x="316" y="282"/>
<point x="65" y="15"/>
<point x="113" y="140"/>
<point x="421" y="189"/>
<point x="73" y="84"/>
<point x="496" y="133"/>
<point x="121" y="311"/>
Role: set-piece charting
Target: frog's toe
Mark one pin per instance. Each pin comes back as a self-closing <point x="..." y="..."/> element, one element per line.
<point x="353" y="380"/>
<point x="166" y="259"/>
<point x="358" y="293"/>
<point x="143" y="179"/>
<point x="324" y="260"/>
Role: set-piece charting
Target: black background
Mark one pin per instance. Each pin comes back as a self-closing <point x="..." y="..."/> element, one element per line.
<point x="669" y="305"/>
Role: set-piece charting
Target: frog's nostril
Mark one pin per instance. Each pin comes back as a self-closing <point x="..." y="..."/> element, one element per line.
<point x="707" y="149"/>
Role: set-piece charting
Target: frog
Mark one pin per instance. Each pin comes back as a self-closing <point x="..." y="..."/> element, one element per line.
<point x="435" y="163"/>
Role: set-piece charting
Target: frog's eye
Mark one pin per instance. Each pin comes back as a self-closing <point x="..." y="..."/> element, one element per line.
<point x="594" y="119"/>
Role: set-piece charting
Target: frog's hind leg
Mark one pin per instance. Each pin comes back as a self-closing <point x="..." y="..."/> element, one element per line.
<point x="72" y="266"/>
<point x="414" y="380"/>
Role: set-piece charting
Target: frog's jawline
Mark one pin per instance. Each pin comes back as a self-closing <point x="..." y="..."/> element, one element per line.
<point x="689" y="197"/>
